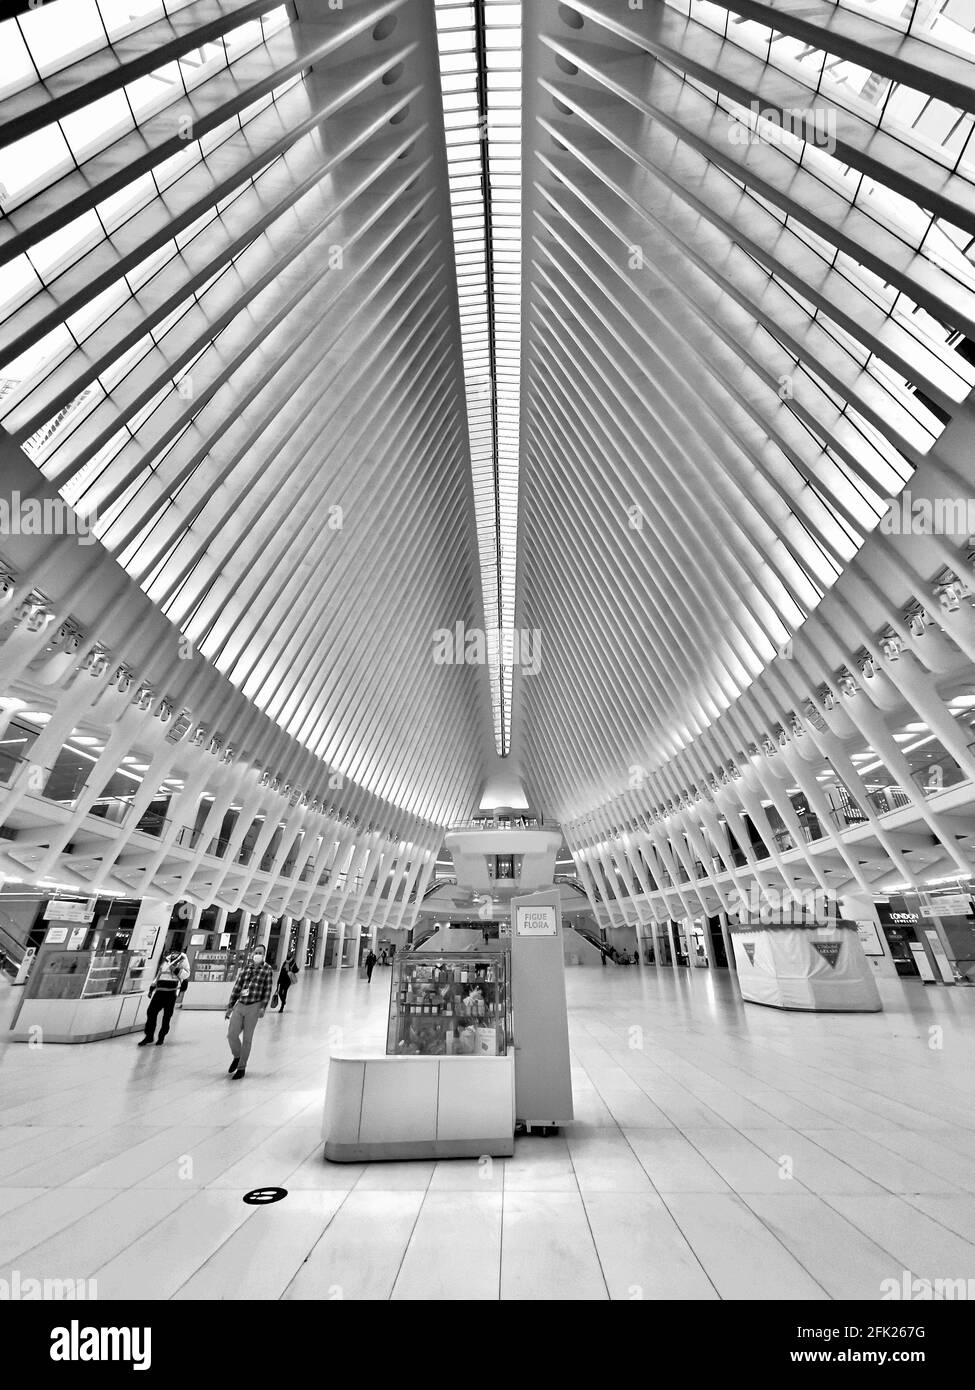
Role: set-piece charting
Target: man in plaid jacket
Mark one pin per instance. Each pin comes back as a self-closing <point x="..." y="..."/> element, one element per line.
<point x="248" y="1002"/>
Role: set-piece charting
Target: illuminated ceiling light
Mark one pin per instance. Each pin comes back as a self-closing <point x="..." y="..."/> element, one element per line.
<point x="34" y="717"/>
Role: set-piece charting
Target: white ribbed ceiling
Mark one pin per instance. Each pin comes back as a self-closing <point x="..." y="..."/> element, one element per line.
<point x="341" y="323"/>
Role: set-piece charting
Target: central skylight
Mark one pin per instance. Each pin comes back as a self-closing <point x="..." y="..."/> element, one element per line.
<point x="480" y="72"/>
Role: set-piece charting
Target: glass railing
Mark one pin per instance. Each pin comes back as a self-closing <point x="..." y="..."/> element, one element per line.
<point x="505" y="823"/>
<point x="9" y="766"/>
<point x="153" y="823"/>
<point x="111" y="808"/>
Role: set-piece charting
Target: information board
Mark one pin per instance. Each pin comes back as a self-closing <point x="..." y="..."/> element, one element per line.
<point x="65" y="910"/>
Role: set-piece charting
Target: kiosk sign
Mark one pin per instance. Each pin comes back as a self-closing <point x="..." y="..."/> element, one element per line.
<point x="536" y="921"/>
<point x="63" y="910"/>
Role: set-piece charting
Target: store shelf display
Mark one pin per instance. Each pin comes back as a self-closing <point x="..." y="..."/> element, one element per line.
<point x="455" y="1004"/>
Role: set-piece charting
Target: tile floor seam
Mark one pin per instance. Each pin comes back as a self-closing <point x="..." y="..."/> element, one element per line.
<point x="860" y="1089"/>
<point x="211" y="1186"/>
<point x="731" y="1187"/>
<point x="850" y="1163"/>
<point x="791" y="1253"/>
<point x="909" y="1198"/>
<point x="879" y="1138"/>
<point x="501" y="1235"/>
<point x="112" y="1192"/>
<point x="662" y="1196"/>
<point x="850" y="1220"/>
<point x="818" y="1196"/>
<point x="248" y="1216"/>
<point x="321" y="1236"/>
<point x="409" y="1238"/>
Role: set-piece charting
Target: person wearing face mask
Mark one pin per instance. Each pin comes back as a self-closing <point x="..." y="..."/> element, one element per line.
<point x="163" y="993"/>
<point x="248" y="1003"/>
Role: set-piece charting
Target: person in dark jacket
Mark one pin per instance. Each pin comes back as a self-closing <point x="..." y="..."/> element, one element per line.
<point x="287" y="977"/>
<point x="370" y="966"/>
<point x="163" y="993"/>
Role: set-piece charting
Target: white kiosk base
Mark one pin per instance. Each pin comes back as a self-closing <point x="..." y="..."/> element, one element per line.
<point x="201" y="994"/>
<point x="379" y="1107"/>
<point x="79" y="1020"/>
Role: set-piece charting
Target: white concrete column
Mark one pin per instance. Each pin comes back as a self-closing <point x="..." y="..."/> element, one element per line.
<point x="729" y="949"/>
<point x="219" y="922"/>
<point x="320" y="945"/>
<point x="240" y="931"/>
<point x="263" y="922"/>
<point x="339" y="945"/>
<point x="304" y="927"/>
<point x="188" y="915"/>
<point x="708" y="944"/>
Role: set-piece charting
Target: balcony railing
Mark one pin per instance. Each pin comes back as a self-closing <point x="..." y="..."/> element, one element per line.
<point x="505" y="823"/>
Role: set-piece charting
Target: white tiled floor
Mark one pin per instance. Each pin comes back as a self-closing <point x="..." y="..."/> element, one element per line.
<point x="718" y="1151"/>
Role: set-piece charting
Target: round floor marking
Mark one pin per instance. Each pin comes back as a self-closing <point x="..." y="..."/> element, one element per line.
<point x="264" y="1196"/>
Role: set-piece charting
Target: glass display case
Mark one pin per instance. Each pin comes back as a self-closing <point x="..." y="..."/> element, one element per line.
<point x="454" y="1004"/>
<point x="86" y="974"/>
<point x="216" y="967"/>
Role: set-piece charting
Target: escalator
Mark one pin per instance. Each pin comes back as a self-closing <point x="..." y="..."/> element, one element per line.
<point x="12" y="949"/>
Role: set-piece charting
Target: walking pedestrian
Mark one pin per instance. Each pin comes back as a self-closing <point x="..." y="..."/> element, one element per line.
<point x="287" y="977"/>
<point x="163" y="993"/>
<point x="370" y="965"/>
<point x="248" y="1003"/>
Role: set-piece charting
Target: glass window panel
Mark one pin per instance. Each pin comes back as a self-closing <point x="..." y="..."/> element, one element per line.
<point x="26" y="368"/>
<point x="18" y="282"/>
<point x="60" y="33"/>
<point x="63" y="247"/>
<point x="97" y="125"/>
<point x="17" y="70"/>
<point x="244" y="38"/>
<point x="119" y="207"/>
<point x="202" y="63"/>
<point x="31" y="164"/>
<point x="125" y="16"/>
<point x="155" y="91"/>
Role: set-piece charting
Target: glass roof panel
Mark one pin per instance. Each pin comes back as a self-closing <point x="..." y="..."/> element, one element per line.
<point x="480" y="65"/>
